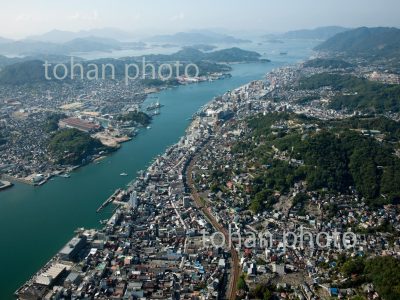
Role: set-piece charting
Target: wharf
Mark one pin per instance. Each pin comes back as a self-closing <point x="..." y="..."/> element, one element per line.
<point x="5" y="184"/>
<point x="109" y="200"/>
<point x="15" y="179"/>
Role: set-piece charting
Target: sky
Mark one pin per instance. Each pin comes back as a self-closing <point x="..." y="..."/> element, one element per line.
<point x="21" y="18"/>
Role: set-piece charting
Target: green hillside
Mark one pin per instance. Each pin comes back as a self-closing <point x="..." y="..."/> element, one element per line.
<point x="366" y="42"/>
<point x="334" y="158"/>
<point x="356" y="93"/>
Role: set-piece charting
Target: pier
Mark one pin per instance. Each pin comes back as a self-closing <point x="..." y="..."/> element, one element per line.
<point x="108" y="201"/>
<point x="5" y="184"/>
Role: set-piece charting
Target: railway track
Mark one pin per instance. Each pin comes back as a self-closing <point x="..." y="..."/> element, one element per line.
<point x="235" y="270"/>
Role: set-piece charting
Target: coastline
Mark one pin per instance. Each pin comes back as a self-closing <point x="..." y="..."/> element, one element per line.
<point x="176" y="158"/>
<point x="113" y="199"/>
<point x="97" y="181"/>
<point x="114" y="143"/>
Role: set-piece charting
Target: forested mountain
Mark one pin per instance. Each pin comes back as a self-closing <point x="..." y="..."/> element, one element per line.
<point x="332" y="155"/>
<point x="355" y="93"/>
<point x="365" y="42"/>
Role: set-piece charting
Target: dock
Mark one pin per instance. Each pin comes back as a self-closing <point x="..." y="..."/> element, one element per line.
<point x="15" y="179"/>
<point x="5" y="184"/>
<point x="109" y="200"/>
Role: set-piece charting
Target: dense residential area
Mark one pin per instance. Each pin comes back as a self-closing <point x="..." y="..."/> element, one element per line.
<point x="112" y="111"/>
<point x="275" y="156"/>
<point x="200" y="150"/>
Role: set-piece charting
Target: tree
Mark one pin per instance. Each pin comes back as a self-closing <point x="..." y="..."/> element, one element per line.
<point x="357" y="298"/>
<point x="136" y="117"/>
<point x="267" y="295"/>
<point x="242" y="285"/>
<point x="262" y="200"/>
<point x="353" y="267"/>
<point x="390" y="182"/>
<point x="364" y="172"/>
<point x="384" y="273"/>
<point x="52" y="120"/>
<point x="71" y="146"/>
<point x="261" y="291"/>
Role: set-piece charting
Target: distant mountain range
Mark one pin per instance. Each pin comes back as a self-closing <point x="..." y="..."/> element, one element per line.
<point x="320" y="33"/>
<point x="51" y="58"/>
<point x="190" y="38"/>
<point x="186" y="38"/>
<point x="60" y="36"/>
<point x="4" y="61"/>
<point x="231" y="55"/>
<point x="92" y="44"/>
<point x="4" y="40"/>
<point x="16" y="71"/>
<point x="87" y="44"/>
<point x="59" y="42"/>
<point x="378" y="42"/>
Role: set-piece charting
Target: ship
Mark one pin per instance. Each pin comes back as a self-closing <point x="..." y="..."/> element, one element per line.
<point x="154" y="106"/>
<point x="156" y="112"/>
<point x="283" y="53"/>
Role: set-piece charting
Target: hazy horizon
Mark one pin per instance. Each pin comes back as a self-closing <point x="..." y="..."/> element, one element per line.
<point x="22" y="18"/>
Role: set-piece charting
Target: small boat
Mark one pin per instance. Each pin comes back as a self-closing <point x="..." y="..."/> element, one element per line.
<point x="283" y="53"/>
<point x="65" y="175"/>
<point x="123" y="174"/>
<point x="148" y="127"/>
<point x="156" y="112"/>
